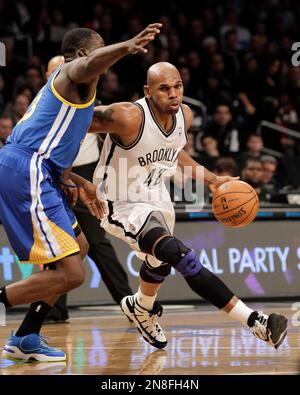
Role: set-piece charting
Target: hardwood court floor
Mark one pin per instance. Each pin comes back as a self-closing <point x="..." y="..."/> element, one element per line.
<point x="200" y="341"/>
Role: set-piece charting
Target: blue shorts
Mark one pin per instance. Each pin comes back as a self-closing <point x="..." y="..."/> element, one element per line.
<point x="37" y="218"/>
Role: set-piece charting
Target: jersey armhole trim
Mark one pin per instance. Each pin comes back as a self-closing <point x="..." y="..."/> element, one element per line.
<point x="62" y="99"/>
<point x="135" y="142"/>
<point x="184" y="121"/>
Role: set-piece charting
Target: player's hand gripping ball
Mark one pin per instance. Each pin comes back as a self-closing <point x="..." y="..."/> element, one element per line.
<point x="235" y="204"/>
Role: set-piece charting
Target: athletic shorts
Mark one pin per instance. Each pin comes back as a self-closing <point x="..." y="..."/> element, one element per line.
<point x="35" y="213"/>
<point x="126" y="220"/>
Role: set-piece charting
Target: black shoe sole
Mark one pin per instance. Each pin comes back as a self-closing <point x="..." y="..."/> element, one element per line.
<point x="277" y="325"/>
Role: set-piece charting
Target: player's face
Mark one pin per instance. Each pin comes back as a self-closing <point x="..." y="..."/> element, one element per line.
<point x="167" y="95"/>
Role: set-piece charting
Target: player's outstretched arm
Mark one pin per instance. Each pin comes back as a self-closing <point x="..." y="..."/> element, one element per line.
<point x="85" y="69"/>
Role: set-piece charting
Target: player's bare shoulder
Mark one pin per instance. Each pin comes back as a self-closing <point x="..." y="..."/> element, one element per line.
<point x="188" y="113"/>
<point x="119" y="118"/>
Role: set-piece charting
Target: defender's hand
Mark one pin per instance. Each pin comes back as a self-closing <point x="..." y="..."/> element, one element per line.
<point x="87" y="194"/>
<point x="221" y="180"/>
<point x="70" y="190"/>
<point x="137" y="43"/>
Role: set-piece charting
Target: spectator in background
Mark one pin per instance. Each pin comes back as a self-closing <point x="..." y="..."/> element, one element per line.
<point x="190" y="89"/>
<point x="26" y="91"/>
<point x="210" y="48"/>
<point x="6" y="126"/>
<point x="252" y="173"/>
<point x="218" y="69"/>
<point x="196" y="34"/>
<point x="213" y="94"/>
<point x="271" y="87"/>
<point x="98" y="12"/>
<point x="110" y="90"/>
<point x="243" y="35"/>
<point x="194" y="64"/>
<point x="270" y="177"/>
<point x="249" y="85"/>
<point x="223" y="129"/>
<point x="190" y="147"/>
<point x="2" y="88"/>
<point x="254" y="146"/>
<point x="59" y="28"/>
<point x="210" y="152"/>
<point x="269" y="167"/>
<point x="232" y="56"/>
<point x="226" y="167"/>
<point x="18" y="108"/>
<point x="33" y="79"/>
<point x="287" y="114"/>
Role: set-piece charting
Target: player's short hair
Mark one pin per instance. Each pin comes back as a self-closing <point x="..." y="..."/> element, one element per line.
<point x="75" y="39"/>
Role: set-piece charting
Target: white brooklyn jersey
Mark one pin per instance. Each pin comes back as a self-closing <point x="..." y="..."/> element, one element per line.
<point x="135" y="173"/>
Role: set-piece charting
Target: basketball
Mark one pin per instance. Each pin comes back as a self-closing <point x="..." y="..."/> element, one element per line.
<point x="235" y="204"/>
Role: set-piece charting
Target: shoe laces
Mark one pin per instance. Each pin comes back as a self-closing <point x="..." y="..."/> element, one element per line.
<point x="259" y="328"/>
<point x="157" y="309"/>
<point x="262" y="318"/>
<point x="45" y="342"/>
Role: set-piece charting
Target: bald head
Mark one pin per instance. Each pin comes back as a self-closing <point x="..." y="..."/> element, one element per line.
<point x="53" y="64"/>
<point x="164" y="88"/>
<point x="161" y="71"/>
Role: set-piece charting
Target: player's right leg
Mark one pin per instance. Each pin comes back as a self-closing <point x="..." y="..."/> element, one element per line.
<point x="142" y="308"/>
<point x="27" y="344"/>
<point x="40" y="231"/>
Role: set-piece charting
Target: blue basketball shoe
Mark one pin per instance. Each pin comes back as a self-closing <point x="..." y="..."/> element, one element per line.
<point x="30" y="348"/>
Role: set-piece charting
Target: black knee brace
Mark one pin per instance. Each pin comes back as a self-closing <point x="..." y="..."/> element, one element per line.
<point x="200" y="280"/>
<point x="207" y="285"/>
<point x="171" y="250"/>
<point x="154" y="275"/>
<point x="147" y="241"/>
<point x="155" y="228"/>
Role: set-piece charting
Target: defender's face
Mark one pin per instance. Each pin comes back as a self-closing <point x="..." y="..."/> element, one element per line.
<point x="167" y="95"/>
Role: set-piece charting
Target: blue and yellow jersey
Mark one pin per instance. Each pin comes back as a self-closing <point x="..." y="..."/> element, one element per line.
<point x="53" y="127"/>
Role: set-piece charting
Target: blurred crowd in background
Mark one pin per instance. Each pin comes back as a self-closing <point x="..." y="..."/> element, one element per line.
<point x="234" y="58"/>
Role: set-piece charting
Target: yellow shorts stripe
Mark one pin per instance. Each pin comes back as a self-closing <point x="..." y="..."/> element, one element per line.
<point x="53" y="259"/>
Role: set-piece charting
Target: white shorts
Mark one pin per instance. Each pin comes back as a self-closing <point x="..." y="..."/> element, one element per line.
<point x="126" y="220"/>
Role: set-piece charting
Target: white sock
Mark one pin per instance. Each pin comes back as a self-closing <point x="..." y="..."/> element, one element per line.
<point x="240" y="313"/>
<point x="145" y="300"/>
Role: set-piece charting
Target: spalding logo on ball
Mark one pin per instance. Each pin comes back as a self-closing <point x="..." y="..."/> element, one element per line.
<point x="235" y="204"/>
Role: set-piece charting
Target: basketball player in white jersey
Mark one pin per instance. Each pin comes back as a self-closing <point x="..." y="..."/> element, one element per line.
<point x="146" y="139"/>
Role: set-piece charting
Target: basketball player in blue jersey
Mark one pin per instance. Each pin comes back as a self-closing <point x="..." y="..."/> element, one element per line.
<point x="34" y="166"/>
<point x="150" y="135"/>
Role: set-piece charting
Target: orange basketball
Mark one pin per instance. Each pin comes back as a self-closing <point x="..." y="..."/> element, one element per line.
<point x="235" y="204"/>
